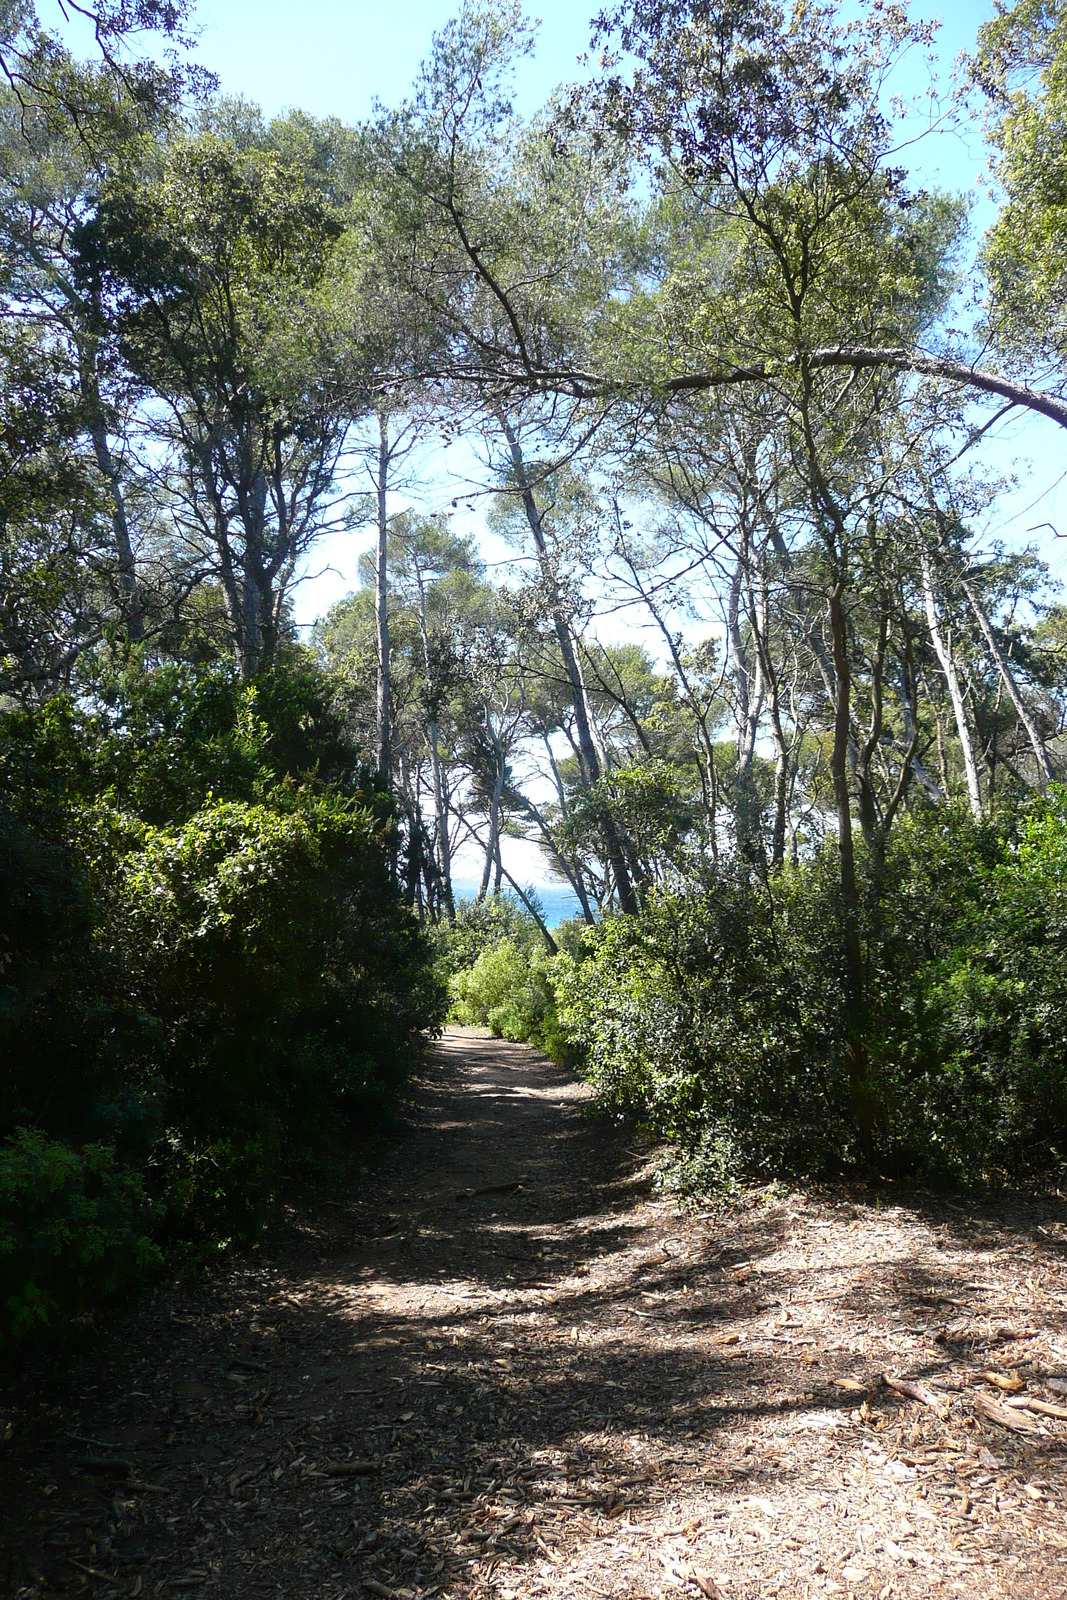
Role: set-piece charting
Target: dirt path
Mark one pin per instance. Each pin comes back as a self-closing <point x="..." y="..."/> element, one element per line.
<point x="505" y="1368"/>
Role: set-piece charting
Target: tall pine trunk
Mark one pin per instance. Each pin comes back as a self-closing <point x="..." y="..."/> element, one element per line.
<point x="383" y="713"/>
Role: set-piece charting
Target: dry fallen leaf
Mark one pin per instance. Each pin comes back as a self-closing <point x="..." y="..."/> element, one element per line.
<point x="853" y="1385"/>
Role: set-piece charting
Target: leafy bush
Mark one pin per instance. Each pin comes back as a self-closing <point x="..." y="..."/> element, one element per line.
<point x="511" y="991"/>
<point x="501" y="975"/>
<point x="74" y="1228"/>
<point x="206" y="967"/>
<point x="477" y="927"/>
<point x="718" y="1016"/>
<point x="989" y="1009"/>
<point x="688" y="1016"/>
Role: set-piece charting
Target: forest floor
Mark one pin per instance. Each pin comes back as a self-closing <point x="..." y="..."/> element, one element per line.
<point x="503" y="1366"/>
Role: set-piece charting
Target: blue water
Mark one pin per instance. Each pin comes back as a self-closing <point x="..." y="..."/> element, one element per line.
<point x="558" y="902"/>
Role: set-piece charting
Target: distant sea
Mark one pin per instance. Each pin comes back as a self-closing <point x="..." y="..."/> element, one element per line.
<point x="558" y="903"/>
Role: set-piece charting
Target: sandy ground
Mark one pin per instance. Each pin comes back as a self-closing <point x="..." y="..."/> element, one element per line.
<point x="503" y="1366"/>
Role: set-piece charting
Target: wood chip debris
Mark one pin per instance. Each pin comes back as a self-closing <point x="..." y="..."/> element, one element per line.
<point x="1003" y="1416"/>
<point x="917" y="1391"/>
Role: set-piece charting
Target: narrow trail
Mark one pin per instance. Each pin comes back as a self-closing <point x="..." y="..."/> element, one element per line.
<point x="506" y="1367"/>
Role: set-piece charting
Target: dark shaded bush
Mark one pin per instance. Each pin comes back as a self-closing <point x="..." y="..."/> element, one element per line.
<point x="206" y="968"/>
<point x="74" y="1228"/>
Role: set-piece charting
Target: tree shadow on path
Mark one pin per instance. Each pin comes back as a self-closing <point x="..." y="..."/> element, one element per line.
<point x="501" y="1364"/>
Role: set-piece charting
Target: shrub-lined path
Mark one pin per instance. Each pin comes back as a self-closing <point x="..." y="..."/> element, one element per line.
<point x="503" y="1366"/>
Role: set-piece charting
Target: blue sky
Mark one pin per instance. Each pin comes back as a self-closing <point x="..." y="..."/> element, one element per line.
<point x="334" y="57"/>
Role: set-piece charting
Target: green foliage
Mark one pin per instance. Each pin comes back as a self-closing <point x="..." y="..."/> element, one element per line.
<point x="719" y="1017"/>
<point x="510" y="989"/>
<point x="689" y="1016"/>
<point x="74" y="1227"/>
<point x="206" y="968"/>
<point x="996" y="1004"/>
<point x="1021" y="64"/>
<point x="501" y="975"/>
<point x="478" y="926"/>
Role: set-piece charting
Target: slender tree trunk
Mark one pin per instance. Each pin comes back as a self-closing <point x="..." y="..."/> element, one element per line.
<point x="492" y="849"/>
<point x="381" y="601"/>
<point x="828" y="516"/>
<point x="856" y="1058"/>
<point x="256" y="588"/>
<point x="444" y="844"/>
<point x="911" y="730"/>
<point x="759" y="606"/>
<point x="955" y="693"/>
<point x="550" y="943"/>
<point x="440" y="804"/>
<point x="589" y="760"/>
<point x="705" y="761"/>
<point x="749" y="691"/>
<point x="110" y="471"/>
<point x="868" y="807"/>
<point x="569" y="869"/>
<point x="781" y="805"/>
<point x="1037" y="744"/>
<point x="572" y="868"/>
<point x="132" y="609"/>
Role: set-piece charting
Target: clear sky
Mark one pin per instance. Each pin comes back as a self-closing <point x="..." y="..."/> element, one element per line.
<point x="335" y="57"/>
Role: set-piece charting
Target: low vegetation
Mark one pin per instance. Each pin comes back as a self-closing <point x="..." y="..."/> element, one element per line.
<point x="208" y="972"/>
<point x="720" y="1016"/>
<point x="501" y="975"/>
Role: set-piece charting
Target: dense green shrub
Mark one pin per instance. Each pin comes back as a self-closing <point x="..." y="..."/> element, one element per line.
<point x="501" y="974"/>
<point x="718" y="1016"/>
<point x="74" y="1227"/>
<point x="206" y="968"/>
<point x="510" y="989"/>
<point x="689" y="1016"/>
<point x="984" y="1063"/>
<point x="479" y="925"/>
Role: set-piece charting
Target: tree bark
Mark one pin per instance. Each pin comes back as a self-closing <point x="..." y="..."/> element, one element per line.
<point x="856" y="1057"/>
<point x="383" y="712"/>
<point x="588" y="758"/>
<point x="955" y="693"/>
<point x="492" y="849"/>
<point x="749" y="709"/>
<point x="1037" y="744"/>
<point x="132" y="609"/>
<point x="550" y="943"/>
